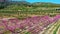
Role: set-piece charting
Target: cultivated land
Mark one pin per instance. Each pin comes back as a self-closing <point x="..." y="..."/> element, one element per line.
<point x="40" y="16"/>
<point x="27" y="9"/>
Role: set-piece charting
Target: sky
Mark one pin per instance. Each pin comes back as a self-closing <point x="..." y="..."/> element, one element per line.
<point x="52" y="1"/>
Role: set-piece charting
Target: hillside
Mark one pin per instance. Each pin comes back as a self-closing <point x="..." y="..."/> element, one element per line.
<point x="20" y="8"/>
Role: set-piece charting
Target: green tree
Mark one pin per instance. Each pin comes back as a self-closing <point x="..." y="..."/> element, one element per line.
<point x="3" y="4"/>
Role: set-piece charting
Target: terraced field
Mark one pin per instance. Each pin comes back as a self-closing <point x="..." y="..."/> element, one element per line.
<point x="53" y="29"/>
<point x="32" y="25"/>
<point x="30" y="22"/>
<point x="26" y="18"/>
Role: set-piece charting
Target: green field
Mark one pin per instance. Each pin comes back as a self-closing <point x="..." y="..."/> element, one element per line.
<point x="26" y="9"/>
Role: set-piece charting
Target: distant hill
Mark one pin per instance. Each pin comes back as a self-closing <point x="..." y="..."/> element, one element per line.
<point x="36" y="4"/>
<point x="45" y="4"/>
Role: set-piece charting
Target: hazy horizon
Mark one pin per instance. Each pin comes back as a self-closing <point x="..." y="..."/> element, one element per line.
<point x="32" y="1"/>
